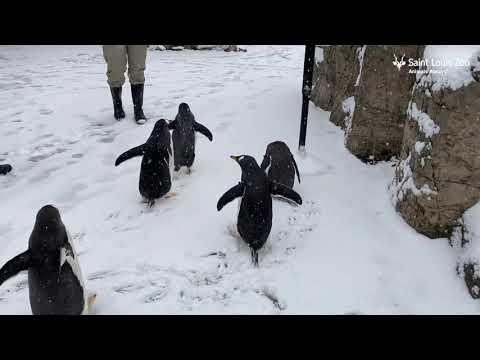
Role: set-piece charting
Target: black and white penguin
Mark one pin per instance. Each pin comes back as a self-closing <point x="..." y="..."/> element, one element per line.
<point x="55" y="280"/>
<point x="279" y="164"/>
<point x="255" y="209"/>
<point x="155" y="180"/>
<point x="5" y="169"/>
<point x="184" y="136"/>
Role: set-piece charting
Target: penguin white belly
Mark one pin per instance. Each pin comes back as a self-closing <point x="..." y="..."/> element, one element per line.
<point x="73" y="261"/>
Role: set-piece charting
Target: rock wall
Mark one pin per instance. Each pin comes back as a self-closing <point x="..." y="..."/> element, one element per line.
<point x="438" y="177"/>
<point x="334" y="79"/>
<point x="375" y="127"/>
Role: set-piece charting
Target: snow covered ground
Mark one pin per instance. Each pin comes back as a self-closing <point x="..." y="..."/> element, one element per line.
<point x="345" y="250"/>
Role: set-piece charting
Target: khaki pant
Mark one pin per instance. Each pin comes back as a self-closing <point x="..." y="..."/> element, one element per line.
<point x="117" y="57"/>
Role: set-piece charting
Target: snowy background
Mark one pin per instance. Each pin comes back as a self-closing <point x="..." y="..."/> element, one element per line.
<point x="344" y="251"/>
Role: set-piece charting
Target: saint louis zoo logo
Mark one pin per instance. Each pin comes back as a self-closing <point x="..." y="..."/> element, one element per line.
<point x="400" y="63"/>
<point x="429" y="65"/>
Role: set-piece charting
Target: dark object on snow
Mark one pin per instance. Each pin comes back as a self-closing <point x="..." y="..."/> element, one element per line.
<point x="118" y="112"/>
<point x="155" y="180"/>
<point x="255" y="212"/>
<point x="472" y="280"/>
<point x="306" y="91"/>
<point x="137" y="97"/>
<point x="5" y="169"/>
<point x="184" y="136"/>
<point x="55" y="281"/>
<point x="280" y="164"/>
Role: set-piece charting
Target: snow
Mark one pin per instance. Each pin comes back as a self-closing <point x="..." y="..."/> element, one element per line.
<point x="348" y="107"/>
<point x="419" y="146"/>
<point x="470" y="253"/>
<point x="319" y="55"/>
<point x="361" y="54"/>
<point x="448" y="66"/>
<point x="406" y="183"/>
<point x="425" y="123"/>
<point x="345" y="250"/>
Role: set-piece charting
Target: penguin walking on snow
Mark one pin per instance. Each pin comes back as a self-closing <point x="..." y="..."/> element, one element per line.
<point x="255" y="211"/>
<point x="5" y="169"/>
<point x="155" y="180"/>
<point x="55" y="280"/>
<point x="184" y="137"/>
<point x="280" y="164"/>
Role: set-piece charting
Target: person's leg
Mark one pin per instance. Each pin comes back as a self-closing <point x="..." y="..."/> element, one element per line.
<point x="116" y="59"/>
<point x="137" y="55"/>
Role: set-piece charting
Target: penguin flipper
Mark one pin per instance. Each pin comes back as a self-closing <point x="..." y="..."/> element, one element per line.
<point x="230" y="195"/>
<point x="136" y="151"/>
<point x="203" y="130"/>
<point x="296" y="169"/>
<point x="19" y="263"/>
<point x="284" y="191"/>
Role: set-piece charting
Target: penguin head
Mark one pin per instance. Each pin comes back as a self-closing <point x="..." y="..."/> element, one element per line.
<point x="183" y="109"/>
<point x="160" y="126"/>
<point x="277" y="148"/>
<point x="247" y="163"/>
<point x="49" y="229"/>
<point x="160" y="137"/>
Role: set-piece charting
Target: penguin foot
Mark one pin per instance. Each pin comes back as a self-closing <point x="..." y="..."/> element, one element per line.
<point x="170" y="195"/>
<point x="176" y="168"/>
<point x="91" y="300"/>
<point x="189" y="171"/>
<point x="151" y="202"/>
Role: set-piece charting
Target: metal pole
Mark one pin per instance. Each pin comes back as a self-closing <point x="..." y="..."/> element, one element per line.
<point x="306" y="91"/>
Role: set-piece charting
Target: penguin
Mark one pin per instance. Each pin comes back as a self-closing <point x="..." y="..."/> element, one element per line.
<point x="155" y="180"/>
<point x="55" y="280"/>
<point x="255" y="191"/>
<point x="184" y="136"/>
<point x="5" y="169"/>
<point x="280" y="164"/>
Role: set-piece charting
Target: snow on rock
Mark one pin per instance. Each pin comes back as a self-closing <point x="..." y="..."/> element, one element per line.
<point x="466" y="240"/>
<point x="426" y="124"/>
<point x="447" y="66"/>
<point x="318" y="54"/>
<point x="419" y="146"/>
<point x="406" y="183"/>
<point x="361" y="54"/>
<point x="348" y="107"/>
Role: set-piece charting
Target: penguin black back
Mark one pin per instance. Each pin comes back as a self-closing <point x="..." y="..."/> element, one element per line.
<point x="155" y="180"/>
<point x="55" y="281"/>
<point x="254" y="221"/>
<point x="184" y="136"/>
<point x="280" y="164"/>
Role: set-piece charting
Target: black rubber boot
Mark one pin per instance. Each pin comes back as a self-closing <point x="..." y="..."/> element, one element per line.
<point x="117" y="102"/>
<point x="137" y="97"/>
<point x="5" y="169"/>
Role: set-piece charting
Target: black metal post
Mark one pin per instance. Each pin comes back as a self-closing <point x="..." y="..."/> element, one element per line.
<point x="306" y="91"/>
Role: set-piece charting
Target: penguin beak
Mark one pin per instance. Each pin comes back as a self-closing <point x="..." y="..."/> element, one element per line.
<point x="234" y="157"/>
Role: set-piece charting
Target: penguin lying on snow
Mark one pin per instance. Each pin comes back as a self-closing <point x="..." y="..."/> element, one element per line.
<point x="55" y="280"/>
<point x="255" y="212"/>
<point x="280" y="164"/>
<point x="184" y="135"/>
<point x="155" y="180"/>
<point x="5" y="169"/>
